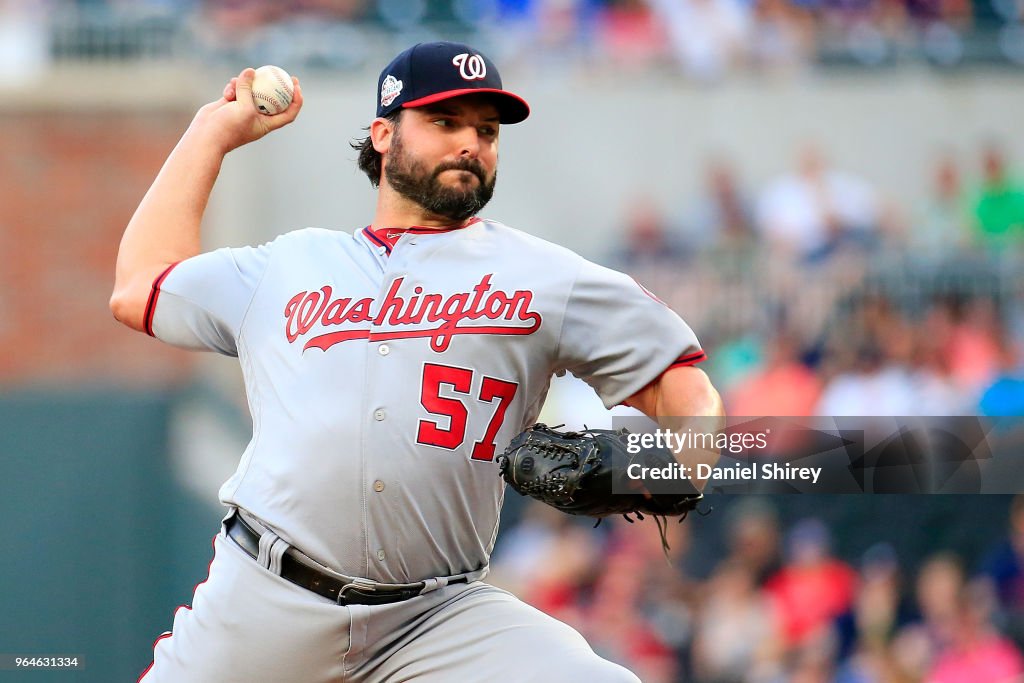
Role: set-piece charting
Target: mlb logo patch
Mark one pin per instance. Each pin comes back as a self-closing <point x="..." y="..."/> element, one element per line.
<point x="389" y="90"/>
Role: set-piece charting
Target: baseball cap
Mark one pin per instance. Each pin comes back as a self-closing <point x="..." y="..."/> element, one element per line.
<point x="431" y="72"/>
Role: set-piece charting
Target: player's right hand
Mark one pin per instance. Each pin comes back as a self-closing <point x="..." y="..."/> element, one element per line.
<point x="233" y="121"/>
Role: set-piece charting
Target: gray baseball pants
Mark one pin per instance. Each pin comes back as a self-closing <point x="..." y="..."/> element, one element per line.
<point x="249" y="625"/>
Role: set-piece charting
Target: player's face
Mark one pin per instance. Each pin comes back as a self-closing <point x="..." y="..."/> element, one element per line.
<point x="444" y="156"/>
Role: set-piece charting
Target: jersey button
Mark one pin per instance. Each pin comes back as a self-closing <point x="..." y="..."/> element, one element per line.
<point x="383" y="349"/>
<point x="378" y="414"/>
<point x="378" y="486"/>
<point x="380" y="555"/>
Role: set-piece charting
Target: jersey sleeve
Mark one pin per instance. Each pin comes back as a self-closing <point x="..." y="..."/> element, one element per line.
<point x="200" y="303"/>
<point x="618" y="337"/>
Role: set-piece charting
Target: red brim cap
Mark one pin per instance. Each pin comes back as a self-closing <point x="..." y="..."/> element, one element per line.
<point x="511" y="107"/>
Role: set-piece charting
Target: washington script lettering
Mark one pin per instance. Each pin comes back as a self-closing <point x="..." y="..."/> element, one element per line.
<point x="445" y="317"/>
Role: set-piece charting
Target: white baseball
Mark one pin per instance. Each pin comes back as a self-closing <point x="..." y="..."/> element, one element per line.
<point x="272" y="90"/>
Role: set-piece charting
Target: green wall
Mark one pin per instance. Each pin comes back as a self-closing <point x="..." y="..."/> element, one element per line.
<point x="98" y="544"/>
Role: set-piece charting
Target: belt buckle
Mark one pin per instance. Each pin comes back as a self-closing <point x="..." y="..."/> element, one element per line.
<point x="355" y="584"/>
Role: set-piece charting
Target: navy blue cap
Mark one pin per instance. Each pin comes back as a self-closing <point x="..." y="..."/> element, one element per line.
<point x="431" y="72"/>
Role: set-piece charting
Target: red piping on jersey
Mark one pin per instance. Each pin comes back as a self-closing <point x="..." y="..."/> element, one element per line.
<point x="689" y="359"/>
<point x="168" y="634"/>
<point x="681" y="362"/>
<point x="414" y="229"/>
<point x="154" y="294"/>
<point x="647" y="291"/>
<point x="373" y="236"/>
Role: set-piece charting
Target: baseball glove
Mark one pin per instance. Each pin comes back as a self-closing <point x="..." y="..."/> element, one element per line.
<point x="585" y="473"/>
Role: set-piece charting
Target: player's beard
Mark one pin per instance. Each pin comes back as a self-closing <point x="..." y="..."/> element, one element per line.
<point x="410" y="178"/>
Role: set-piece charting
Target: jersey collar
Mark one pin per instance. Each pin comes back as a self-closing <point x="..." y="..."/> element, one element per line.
<point x="388" y="237"/>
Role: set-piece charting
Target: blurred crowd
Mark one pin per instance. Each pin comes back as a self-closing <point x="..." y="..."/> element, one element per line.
<point x="778" y="605"/>
<point x="704" y="39"/>
<point x="814" y="294"/>
<point x="818" y="295"/>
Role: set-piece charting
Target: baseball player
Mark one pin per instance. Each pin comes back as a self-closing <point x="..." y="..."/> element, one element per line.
<point x="385" y="368"/>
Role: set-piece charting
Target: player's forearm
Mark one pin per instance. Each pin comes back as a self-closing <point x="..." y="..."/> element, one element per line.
<point x="684" y="400"/>
<point x="689" y="395"/>
<point x="693" y="406"/>
<point x="166" y="226"/>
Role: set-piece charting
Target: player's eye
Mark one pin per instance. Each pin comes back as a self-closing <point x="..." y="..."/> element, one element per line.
<point x="488" y="131"/>
<point x="444" y="123"/>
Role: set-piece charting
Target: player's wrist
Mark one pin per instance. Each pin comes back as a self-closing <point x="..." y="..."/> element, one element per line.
<point x="204" y="136"/>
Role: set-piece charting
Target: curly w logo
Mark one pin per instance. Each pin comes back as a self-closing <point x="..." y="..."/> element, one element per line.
<point x="471" y="67"/>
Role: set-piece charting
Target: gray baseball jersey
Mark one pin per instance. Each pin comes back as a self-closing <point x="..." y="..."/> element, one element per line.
<point x="384" y="369"/>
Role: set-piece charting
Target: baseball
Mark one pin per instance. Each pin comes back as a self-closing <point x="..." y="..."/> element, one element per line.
<point x="271" y="90"/>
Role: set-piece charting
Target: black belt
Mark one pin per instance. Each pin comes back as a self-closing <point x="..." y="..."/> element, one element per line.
<point x="331" y="587"/>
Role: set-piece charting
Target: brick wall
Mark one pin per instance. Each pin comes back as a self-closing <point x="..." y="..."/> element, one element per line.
<point x="69" y="182"/>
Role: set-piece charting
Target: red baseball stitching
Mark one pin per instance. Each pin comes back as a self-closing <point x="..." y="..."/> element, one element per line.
<point x="272" y="100"/>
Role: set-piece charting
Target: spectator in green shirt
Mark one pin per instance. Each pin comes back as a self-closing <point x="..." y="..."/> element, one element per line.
<point x="999" y="210"/>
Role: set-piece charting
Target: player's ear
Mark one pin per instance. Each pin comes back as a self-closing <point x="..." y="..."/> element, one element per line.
<point x="382" y="132"/>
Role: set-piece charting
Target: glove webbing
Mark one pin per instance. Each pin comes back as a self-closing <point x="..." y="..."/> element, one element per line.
<point x="661" y="521"/>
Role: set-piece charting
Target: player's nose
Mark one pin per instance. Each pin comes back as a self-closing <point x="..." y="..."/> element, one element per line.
<point x="469" y="143"/>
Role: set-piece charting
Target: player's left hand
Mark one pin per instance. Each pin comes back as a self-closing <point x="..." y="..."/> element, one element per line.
<point x="587" y="473"/>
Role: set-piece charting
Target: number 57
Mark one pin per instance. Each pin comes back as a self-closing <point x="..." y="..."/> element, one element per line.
<point x="432" y="433"/>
